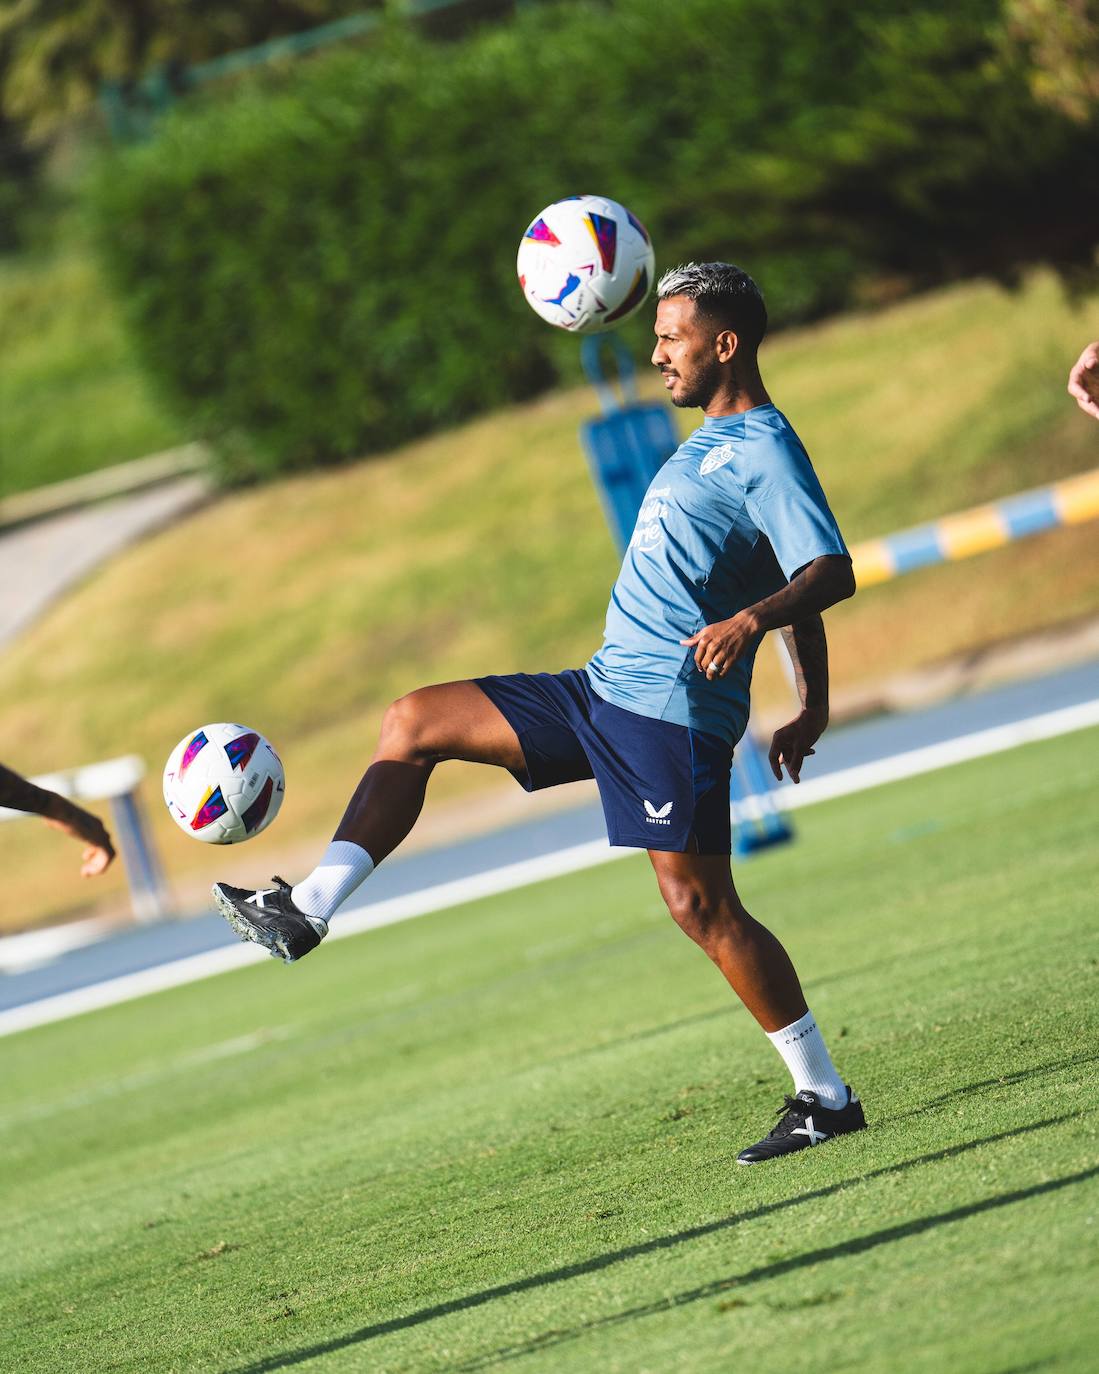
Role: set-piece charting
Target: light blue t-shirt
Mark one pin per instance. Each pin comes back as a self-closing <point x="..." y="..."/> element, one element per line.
<point x="732" y="515"/>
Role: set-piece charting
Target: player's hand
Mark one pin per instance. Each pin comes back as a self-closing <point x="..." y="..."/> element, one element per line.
<point x="79" y="824"/>
<point x="717" y="647"/>
<point x="793" y="744"/>
<point x="1083" y="381"/>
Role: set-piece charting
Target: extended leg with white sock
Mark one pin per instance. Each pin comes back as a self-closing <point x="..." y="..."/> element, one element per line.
<point x="339" y="873"/>
<point x="806" y="1056"/>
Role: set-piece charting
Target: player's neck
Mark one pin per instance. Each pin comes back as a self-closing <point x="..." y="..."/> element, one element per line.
<point x="740" y="394"/>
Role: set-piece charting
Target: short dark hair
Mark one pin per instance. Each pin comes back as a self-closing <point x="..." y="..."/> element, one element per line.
<point x="725" y="293"/>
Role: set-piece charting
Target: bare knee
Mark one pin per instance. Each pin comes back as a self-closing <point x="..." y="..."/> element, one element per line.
<point x="710" y="920"/>
<point x="407" y="729"/>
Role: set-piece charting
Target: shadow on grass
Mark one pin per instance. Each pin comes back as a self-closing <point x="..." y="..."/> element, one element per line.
<point x="858" y="1246"/>
<point x="648" y="1247"/>
<point x="733" y="1007"/>
<point x="728" y="1007"/>
<point x="1004" y="1080"/>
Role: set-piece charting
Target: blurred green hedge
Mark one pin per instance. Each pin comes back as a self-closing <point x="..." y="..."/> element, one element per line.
<point x="326" y="267"/>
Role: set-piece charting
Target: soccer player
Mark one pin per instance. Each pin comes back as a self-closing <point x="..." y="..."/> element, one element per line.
<point x="1083" y="381"/>
<point x="22" y="795"/>
<point x="734" y="538"/>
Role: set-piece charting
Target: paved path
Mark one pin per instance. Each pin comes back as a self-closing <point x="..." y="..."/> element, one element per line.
<point x="42" y="560"/>
<point x="151" y="946"/>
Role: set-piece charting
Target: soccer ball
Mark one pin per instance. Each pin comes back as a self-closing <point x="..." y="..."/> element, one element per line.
<point x="223" y="784"/>
<point x="585" y="264"/>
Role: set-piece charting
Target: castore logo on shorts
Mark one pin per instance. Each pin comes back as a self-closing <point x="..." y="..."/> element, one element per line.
<point x="655" y="817"/>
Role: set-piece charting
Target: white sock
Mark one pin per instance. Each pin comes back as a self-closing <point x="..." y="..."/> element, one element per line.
<point x="806" y="1056"/>
<point x="343" y="868"/>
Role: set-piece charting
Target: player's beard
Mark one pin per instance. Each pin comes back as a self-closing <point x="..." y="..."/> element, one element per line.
<point x="700" y="387"/>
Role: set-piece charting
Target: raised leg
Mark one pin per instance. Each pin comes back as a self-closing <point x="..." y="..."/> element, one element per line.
<point x="452" y="721"/>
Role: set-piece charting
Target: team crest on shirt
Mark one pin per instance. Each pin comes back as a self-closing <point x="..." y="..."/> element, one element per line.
<point x="716" y="458"/>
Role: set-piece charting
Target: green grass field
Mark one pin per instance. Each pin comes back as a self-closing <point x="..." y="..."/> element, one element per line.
<point x="503" y="1136"/>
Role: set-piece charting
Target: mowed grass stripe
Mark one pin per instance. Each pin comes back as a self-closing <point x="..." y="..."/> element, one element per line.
<point x="504" y="1136"/>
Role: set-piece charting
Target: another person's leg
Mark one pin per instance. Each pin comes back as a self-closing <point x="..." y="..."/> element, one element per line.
<point x="699" y="892"/>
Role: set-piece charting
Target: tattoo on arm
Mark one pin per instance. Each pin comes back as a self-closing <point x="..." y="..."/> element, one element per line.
<point x="819" y="585"/>
<point x="808" y="649"/>
<point x="21" y="795"/>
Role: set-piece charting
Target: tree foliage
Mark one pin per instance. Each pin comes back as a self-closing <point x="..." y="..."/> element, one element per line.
<point x="328" y="268"/>
<point x="59" y="51"/>
<point x="1061" y="38"/>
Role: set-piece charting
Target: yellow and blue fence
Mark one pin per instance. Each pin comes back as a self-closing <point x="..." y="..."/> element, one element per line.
<point x="1069" y="502"/>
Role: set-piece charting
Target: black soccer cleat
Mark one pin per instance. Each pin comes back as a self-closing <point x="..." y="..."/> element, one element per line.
<point x="268" y="917"/>
<point x="804" y="1122"/>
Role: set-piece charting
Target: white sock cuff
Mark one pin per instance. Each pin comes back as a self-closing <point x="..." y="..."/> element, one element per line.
<point x="341" y="870"/>
<point x="805" y="1054"/>
<point x="795" y="1031"/>
<point x="344" y="852"/>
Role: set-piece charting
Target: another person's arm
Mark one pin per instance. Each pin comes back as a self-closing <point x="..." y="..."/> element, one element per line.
<point x="20" y="794"/>
<point x="1083" y="381"/>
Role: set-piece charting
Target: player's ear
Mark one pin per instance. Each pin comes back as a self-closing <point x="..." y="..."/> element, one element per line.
<point x="725" y="345"/>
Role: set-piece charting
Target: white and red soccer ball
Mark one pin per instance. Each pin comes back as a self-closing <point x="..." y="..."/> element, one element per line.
<point x="223" y="784"/>
<point x="585" y="264"/>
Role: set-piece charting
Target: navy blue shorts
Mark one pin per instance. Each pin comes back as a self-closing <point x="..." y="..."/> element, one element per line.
<point x="663" y="786"/>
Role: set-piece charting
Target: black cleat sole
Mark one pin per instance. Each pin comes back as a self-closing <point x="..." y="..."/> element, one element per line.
<point x="272" y="942"/>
